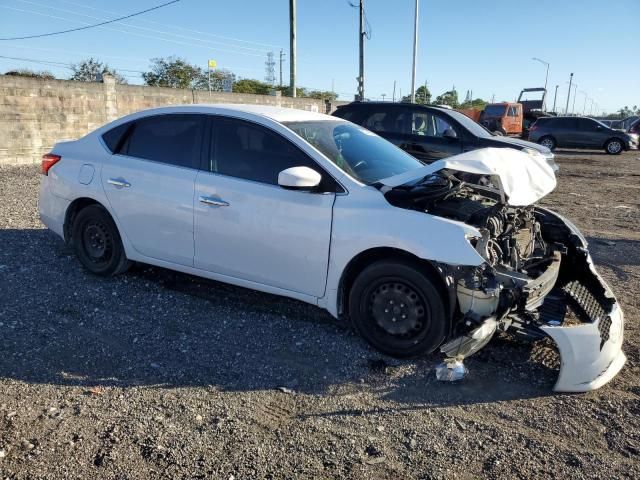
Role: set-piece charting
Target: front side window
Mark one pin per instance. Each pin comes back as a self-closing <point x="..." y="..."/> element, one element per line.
<point x="358" y="152"/>
<point x="513" y="111"/>
<point x="428" y="124"/>
<point x="251" y="152"/>
<point x="174" y="139"/>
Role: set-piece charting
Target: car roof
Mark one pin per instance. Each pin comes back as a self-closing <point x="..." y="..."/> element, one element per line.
<point x="279" y="114"/>
<point x="395" y="104"/>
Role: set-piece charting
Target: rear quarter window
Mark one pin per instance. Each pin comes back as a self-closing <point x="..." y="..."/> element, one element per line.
<point x="113" y="138"/>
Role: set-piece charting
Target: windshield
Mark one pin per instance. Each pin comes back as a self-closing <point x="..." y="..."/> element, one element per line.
<point x="495" y="110"/>
<point x="359" y="152"/>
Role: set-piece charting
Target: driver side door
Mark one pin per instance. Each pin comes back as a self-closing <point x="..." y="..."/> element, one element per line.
<point x="248" y="227"/>
<point x="426" y="139"/>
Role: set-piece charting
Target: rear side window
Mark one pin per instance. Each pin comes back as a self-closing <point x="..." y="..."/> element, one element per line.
<point x="113" y="138"/>
<point x="386" y="120"/>
<point x="565" y="123"/>
<point x="246" y="150"/>
<point x="171" y="139"/>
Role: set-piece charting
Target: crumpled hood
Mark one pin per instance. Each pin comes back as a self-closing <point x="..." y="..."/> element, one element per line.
<point x="523" y="178"/>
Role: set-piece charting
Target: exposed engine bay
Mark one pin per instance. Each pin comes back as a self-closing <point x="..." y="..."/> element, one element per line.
<point x="537" y="280"/>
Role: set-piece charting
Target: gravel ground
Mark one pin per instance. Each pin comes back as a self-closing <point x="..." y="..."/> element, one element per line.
<point x="156" y="374"/>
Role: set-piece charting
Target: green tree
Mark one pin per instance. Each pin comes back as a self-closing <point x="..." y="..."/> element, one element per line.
<point x="219" y="78"/>
<point x="448" y="98"/>
<point x="25" y="72"/>
<point x="91" y="70"/>
<point x="175" y="72"/>
<point x="476" y="103"/>
<point x="320" y="94"/>
<point x="247" y="85"/>
<point x="423" y="96"/>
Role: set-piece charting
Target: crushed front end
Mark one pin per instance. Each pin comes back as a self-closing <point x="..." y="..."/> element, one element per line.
<point x="537" y="280"/>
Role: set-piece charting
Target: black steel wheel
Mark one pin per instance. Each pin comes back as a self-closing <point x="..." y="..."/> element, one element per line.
<point x="397" y="308"/>
<point x="97" y="242"/>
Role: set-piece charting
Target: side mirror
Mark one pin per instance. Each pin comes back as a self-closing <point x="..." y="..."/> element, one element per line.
<point x="299" y="178"/>
<point x="450" y="133"/>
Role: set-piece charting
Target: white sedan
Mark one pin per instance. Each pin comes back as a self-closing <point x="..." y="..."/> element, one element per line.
<point x="316" y="208"/>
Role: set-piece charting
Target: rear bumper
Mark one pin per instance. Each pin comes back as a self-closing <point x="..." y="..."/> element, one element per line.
<point x="52" y="208"/>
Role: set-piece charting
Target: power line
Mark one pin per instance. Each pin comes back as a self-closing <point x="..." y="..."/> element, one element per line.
<point x="92" y="26"/>
<point x="154" y="37"/>
<point x="199" y="32"/>
<point x="154" y="30"/>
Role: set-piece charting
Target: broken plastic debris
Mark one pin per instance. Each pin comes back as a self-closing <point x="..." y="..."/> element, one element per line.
<point x="451" y="370"/>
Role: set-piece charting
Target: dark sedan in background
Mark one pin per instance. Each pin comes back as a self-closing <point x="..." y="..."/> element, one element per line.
<point x="581" y="132"/>
<point x="431" y="133"/>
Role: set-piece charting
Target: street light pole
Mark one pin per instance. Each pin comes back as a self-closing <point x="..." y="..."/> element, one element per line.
<point x="415" y="54"/>
<point x="554" y="99"/>
<point x="292" y="47"/>
<point x="575" y="92"/>
<point x="585" y="101"/>
<point x="566" y="108"/>
<point x="361" y="43"/>
<point x="546" y="77"/>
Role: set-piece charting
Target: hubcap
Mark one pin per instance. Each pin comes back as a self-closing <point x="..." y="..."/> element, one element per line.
<point x="547" y="143"/>
<point x="97" y="241"/>
<point x="397" y="309"/>
<point x="614" y="147"/>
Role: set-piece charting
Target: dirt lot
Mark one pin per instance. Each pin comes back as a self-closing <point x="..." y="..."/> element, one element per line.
<point x="155" y="374"/>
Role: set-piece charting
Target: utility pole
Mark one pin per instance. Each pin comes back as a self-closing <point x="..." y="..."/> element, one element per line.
<point x="545" y="78"/>
<point x="292" y="46"/>
<point x="554" y="99"/>
<point x="415" y="54"/>
<point x="566" y="108"/>
<point x="361" y="42"/>
<point x="394" y="92"/>
<point x="383" y="95"/>
<point x="281" y="60"/>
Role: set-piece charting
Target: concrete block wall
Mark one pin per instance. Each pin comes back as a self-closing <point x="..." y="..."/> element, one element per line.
<point x="35" y="113"/>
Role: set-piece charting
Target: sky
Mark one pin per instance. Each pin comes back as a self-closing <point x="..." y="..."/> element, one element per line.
<point x="484" y="46"/>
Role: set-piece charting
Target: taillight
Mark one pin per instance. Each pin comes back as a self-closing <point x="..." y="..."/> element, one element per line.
<point x="48" y="161"/>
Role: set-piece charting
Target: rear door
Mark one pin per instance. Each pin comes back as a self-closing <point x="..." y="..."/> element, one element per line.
<point x="149" y="183"/>
<point x="246" y="225"/>
<point x="564" y="130"/>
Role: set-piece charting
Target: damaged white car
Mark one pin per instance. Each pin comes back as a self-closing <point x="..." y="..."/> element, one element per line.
<point x="318" y="209"/>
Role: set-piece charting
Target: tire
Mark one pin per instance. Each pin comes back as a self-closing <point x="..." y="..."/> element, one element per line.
<point x="548" y="142"/>
<point x="614" y="146"/>
<point x="398" y="309"/>
<point x="97" y="242"/>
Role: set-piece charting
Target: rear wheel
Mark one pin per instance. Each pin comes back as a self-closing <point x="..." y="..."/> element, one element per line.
<point x="548" y="142"/>
<point x="97" y="242"/>
<point x="614" y="146"/>
<point x="397" y="308"/>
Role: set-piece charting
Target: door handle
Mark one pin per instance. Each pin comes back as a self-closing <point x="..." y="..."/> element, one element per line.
<point x="118" y="182"/>
<point x="216" y="202"/>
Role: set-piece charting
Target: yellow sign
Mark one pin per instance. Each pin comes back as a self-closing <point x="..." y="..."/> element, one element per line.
<point x="213" y="64"/>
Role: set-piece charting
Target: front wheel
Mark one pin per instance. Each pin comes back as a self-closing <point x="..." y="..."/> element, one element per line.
<point x="613" y="147"/>
<point x="398" y="309"/>
<point x="97" y="242"/>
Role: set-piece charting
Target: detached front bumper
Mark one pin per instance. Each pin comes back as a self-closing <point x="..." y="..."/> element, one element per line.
<point x="590" y="353"/>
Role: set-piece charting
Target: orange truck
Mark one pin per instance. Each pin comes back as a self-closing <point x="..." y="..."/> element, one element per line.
<point x="510" y="118"/>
